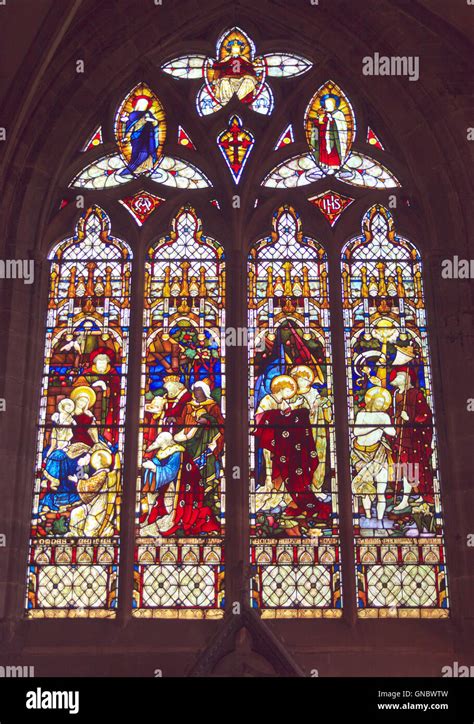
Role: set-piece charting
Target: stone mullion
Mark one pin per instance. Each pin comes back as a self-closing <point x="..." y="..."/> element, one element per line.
<point x="342" y="433"/>
<point x="130" y="469"/>
<point x="237" y="525"/>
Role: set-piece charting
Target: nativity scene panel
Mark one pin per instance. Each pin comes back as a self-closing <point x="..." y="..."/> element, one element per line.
<point x="74" y="546"/>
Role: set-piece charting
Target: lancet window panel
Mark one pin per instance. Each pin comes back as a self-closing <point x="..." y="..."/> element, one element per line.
<point x="75" y="530"/>
<point x="397" y="512"/>
<point x="180" y="508"/>
<point x="295" y="552"/>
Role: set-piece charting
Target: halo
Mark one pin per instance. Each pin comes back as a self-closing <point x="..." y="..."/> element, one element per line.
<point x="324" y="98"/>
<point x="101" y="454"/>
<point x="84" y="391"/>
<point x="374" y="392"/>
<point x="141" y="98"/>
<point x="281" y="381"/>
<point x="303" y="371"/>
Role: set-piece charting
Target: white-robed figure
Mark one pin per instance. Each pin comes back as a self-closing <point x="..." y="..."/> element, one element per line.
<point x="371" y="453"/>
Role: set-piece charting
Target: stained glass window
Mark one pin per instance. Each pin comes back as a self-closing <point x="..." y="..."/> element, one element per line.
<point x="373" y="139"/>
<point x="184" y="139"/>
<point x="398" y="524"/>
<point x="330" y="130"/>
<point x="180" y="489"/>
<point x="236" y="71"/>
<point x="235" y="144"/>
<point x="141" y="205"/>
<point x="331" y="204"/>
<point x="95" y="140"/>
<point x="294" y="512"/>
<point x="74" y="546"/>
<point x="285" y="138"/>
<point x="140" y="133"/>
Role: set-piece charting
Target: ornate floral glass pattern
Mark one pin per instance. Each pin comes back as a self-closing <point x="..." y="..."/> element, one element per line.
<point x="398" y="524"/>
<point x="180" y="490"/>
<point x="74" y="546"/>
<point x="235" y="144"/>
<point x="294" y="511"/>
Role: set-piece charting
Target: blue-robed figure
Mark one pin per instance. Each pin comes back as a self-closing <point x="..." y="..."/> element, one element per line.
<point x="61" y="471"/>
<point x="142" y="132"/>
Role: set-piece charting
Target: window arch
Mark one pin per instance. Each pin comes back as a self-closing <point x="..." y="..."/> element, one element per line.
<point x="398" y="524"/>
<point x="294" y="508"/>
<point x="179" y="567"/>
<point x="74" y="545"/>
<point x="179" y="534"/>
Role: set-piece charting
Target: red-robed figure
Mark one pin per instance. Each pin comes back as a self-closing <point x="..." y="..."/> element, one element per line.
<point x="234" y="74"/>
<point x="329" y="133"/>
<point x="166" y="412"/>
<point x="100" y="374"/>
<point x="285" y="436"/>
<point x="412" y="446"/>
<point x="179" y="504"/>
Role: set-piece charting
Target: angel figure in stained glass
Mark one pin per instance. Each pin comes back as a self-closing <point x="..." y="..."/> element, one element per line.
<point x="284" y="434"/>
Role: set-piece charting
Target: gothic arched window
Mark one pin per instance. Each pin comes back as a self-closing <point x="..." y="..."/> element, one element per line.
<point x="74" y="546"/>
<point x="398" y="524"/>
<point x="179" y="408"/>
<point x="294" y="508"/>
<point x="180" y="507"/>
